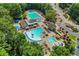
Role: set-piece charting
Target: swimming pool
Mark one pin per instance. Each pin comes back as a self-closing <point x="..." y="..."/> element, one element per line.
<point x="35" y="34"/>
<point x="34" y="16"/>
<point x="52" y="40"/>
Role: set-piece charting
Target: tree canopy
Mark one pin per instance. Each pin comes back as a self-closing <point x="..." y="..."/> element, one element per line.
<point x="12" y="42"/>
<point x="60" y="51"/>
<point x="74" y="12"/>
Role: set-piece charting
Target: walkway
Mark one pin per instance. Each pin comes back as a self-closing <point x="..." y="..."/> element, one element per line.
<point x="64" y="20"/>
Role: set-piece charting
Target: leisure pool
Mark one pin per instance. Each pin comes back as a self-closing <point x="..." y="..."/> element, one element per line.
<point x="34" y="16"/>
<point x="35" y="34"/>
<point x="52" y="40"/>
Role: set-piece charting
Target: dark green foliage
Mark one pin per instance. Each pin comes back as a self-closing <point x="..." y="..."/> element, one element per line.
<point x="15" y="43"/>
<point x="50" y="15"/>
<point x="32" y="50"/>
<point x="60" y="51"/>
<point x="11" y="42"/>
<point x="3" y="11"/>
<point x="15" y="9"/>
<point x="42" y="7"/>
<point x="74" y="12"/>
<point x="65" y="5"/>
<point x="3" y="52"/>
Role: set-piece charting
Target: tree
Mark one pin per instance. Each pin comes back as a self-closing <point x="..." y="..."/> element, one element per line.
<point x="60" y="51"/>
<point x="24" y="6"/>
<point x="71" y="43"/>
<point x="3" y="52"/>
<point x="2" y="37"/>
<point x="5" y="27"/>
<point x="25" y="48"/>
<point x="12" y="37"/>
<point x="74" y="12"/>
<point x="50" y="15"/>
<point x="33" y="50"/>
<point x="65" y="5"/>
<point x="11" y="42"/>
<point x="15" y="9"/>
<point x="3" y="11"/>
<point x="42" y="7"/>
<point x="77" y="19"/>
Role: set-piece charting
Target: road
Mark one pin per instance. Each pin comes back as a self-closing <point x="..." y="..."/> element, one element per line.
<point x="64" y="20"/>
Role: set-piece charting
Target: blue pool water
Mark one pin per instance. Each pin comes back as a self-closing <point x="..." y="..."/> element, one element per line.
<point x="33" y="14"/>
<point x="52" y="40"/>
<point x="17" y="27"/>
<point x="35" y="34"/>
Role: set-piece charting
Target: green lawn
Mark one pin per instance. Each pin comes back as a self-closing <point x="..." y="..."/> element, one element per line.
<point x="73" y="40"/>
<point x="72" y="37"/>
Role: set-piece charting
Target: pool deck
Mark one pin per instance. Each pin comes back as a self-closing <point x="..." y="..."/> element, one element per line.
<point x="39" y="24"/>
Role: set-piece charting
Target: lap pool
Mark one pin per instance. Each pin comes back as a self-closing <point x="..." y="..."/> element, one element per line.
<point x="35" y="34"/>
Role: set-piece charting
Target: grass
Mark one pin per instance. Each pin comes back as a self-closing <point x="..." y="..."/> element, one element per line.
<point x="73" y="40"/>
<point x="72" y="37"/>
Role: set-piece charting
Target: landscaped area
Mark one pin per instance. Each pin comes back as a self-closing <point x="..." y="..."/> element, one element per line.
<point x="37" y="30"/>
<point x="34" y="29"/>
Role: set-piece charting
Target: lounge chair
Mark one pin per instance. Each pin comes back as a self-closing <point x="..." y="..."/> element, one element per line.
<point x="57" y="44"/>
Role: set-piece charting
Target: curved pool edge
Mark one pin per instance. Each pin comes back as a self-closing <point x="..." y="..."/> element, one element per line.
<point x="27" y="38"/>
